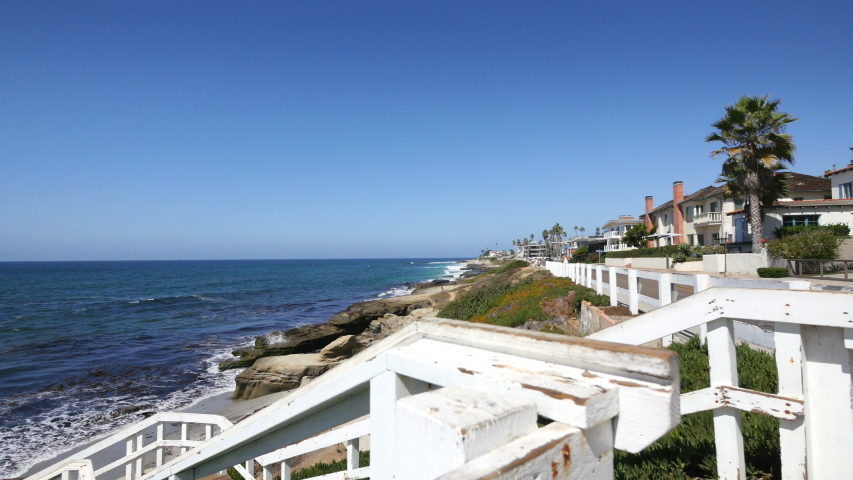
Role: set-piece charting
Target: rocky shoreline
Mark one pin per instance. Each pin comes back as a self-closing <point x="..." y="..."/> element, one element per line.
<point x="286" y="359"/>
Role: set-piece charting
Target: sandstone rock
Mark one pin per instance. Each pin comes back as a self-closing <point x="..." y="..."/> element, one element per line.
<point x="340" y="349"/>
<point x="276" y="374"/>
<point x="309" y="338"/>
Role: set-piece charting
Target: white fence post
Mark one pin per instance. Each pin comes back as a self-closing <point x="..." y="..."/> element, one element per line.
<point x="588" y="276"/>
<point x="828" y="414"/>
<point x="703" y="282"/>
<point x="633" y="294"/>
<point x="792" y="433"/>
<point x="455" y="425"/>
<point x="611" y="277"/>
<point x="128" y="467"/>
<point x="728" y="428"/>
<point x="665" y="298"/>
<point x="159" y="453"/>
<point x="599" y="283"/>
<point x="140" y="440"/>
<point x="286" y="469"/>
<point x="352" y="454"/>
<point x="385" y="389"/>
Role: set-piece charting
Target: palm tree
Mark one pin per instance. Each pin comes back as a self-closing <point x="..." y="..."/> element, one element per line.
<point x="754" y="144"/>
<point x="576" y="230"/>
<point x="775" y="184"/>
<point x="532" y="237"/>
<point x="582" y="230"/>
<point x="597" y="231"/>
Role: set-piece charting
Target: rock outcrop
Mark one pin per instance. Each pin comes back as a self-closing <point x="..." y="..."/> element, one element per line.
<point x="309" y="338"/>
<point x="276" y="374"/>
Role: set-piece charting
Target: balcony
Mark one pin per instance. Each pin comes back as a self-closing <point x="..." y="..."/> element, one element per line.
<point x="612" y="234"/>
<point x="616" y="247"/>
<point x="711" y="218"/>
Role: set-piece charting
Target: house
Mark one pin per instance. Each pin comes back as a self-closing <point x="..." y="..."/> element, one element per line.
<point x="810" y="202"/>
<point x="841" y="182"/>
<point x="614" y="230"/>
<point x="532" y="250"/>
<point x="695" y="219"/>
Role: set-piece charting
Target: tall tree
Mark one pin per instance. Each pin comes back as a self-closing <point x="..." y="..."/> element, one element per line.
<point x="754" y="144"/>
<point x="775" y="184"/>
<point x="576" y="230"/>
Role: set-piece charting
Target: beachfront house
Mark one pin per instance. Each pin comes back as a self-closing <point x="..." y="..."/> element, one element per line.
<point x="614" y="230"/>
<point x="809" y="202"/>
<point x="532" y="250"/>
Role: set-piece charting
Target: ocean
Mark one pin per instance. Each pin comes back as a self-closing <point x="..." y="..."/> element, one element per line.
<point x="87" y="347"/>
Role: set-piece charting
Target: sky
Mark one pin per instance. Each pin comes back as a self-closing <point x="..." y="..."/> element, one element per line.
<point x="380" y="129"/>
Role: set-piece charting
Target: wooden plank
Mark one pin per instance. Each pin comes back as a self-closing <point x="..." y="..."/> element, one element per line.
<point x="790" y="306"/>
<point x="561" y="393"/>
<point x="648" y="405"/>
<point x="642" y="363"/>
<point x="332" y="437"/>
<point x="829" y="418"/>
<point x="728" y="427"/>
<point x="701" y="400"/>
<point x="555" y="451"/>
<point x="776" y="406"/>
<point x="792" y="433"/>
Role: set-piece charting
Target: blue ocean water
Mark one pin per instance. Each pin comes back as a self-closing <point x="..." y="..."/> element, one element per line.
<point x="84" y="344"/>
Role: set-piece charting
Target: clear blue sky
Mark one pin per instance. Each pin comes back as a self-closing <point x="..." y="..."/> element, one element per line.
<point x="315" y="129"/>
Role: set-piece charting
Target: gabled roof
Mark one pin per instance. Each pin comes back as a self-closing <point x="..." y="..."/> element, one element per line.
<point x="813" y="203"/>
<point x="707" y="192"/>
<point x="660" y="208"/>
<point x="842" y="169"/>
<point x="800" y="182"/>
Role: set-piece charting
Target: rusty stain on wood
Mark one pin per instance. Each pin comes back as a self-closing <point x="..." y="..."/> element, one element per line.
<point x="466" y="371"/>
<point x="554" y="470"/>
<point x="522" y="460"/>
<point x="555" y="394"/>
<point x="567" y="457"/>
<point x="587" y="374"/>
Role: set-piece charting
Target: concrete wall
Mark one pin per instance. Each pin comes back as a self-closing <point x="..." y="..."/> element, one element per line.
<point x="592" y="319"/>
<point x="689" y="267"/>
<point x="649" y="262"/>
<point x="737" y="263"/>
<point x="846" y="250"/>
<point x="617" y="262"/>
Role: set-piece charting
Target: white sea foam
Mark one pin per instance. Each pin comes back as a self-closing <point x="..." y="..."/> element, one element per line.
<point x="396" y="292"/>
<point x="49" y="435"/>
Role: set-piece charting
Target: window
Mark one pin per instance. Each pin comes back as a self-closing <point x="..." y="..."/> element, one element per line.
<point x="827" y="197"/>
<point x="665" y="218"/>
<point x="799" y="199"/>
<point x="701" y="239"/>
<point x="845" y="190"/>
<point x="699" y="209"/>
<point x="794" y="220"/>
<point x="713" y="207"/>
<point x="689" y="214"/>
<point x="690" y="239"/>
<point x="739" y="204"/>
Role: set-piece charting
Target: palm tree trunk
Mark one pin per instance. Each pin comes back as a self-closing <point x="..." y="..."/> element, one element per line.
<point x="755" y="220"/>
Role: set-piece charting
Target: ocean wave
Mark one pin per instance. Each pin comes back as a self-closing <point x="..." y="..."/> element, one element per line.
<point x="438" y="263"/>
<point x="79" y="417"/>
<point x="396" y="292"/>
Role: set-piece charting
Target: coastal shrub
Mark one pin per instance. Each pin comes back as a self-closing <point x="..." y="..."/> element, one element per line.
<point x="772" y="272"/>
<point x="580" y="254"/>
<point x="820" y="244"/>
<point x="688" y="451"/>
<point x="477" y="302"/>
<point x="510" y="266"/>
<point x="838" y="229"/>
<point x="525" y="302"/>
<point x="326" y="468"/>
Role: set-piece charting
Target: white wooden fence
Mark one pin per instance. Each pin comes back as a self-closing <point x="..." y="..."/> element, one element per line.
<point x="813" y="338"/>
<point x="138" y="454"/>
<point x="456" y="400"/>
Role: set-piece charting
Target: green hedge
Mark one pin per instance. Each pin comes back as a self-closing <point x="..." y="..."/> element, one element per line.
<point x="772" y="272"/>
<point x="646" y="252"/>
<point x="838" y="229"/>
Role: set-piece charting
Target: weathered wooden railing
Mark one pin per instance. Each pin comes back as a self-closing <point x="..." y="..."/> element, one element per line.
<point x="456" y="400"/>
<point x="138" y="454"/>
<point x="812" y="337"/>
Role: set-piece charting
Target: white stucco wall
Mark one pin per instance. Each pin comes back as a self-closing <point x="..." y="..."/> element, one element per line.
<point x="839" y="178"/>
<point x="737" y="263"/>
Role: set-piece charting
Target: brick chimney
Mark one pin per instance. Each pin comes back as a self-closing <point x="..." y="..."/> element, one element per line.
<point x="677" y="215"/>
<point x="650" y="205"/>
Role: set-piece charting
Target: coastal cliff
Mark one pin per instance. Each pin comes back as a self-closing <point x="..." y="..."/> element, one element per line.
<point x="284" y="360"/>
